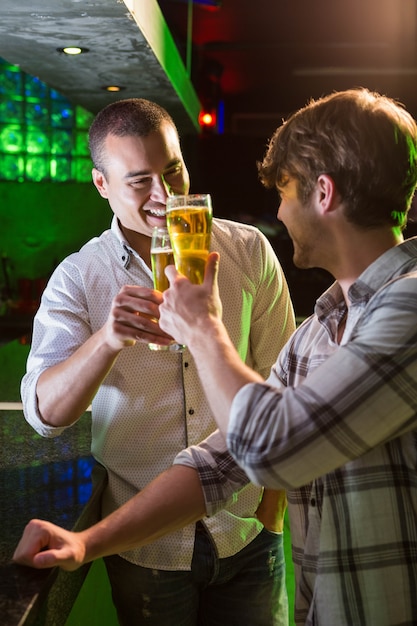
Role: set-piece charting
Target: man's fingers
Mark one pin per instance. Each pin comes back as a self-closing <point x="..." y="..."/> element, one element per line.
<point x="210" y="272"/>
<point x="211" y="269"/>
<point x="46" y="559"/>
<point x="171" y="273"/>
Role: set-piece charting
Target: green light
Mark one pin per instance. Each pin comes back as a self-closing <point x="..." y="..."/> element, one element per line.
<point x="37" y="168"/>
<point x="43" y="137"/>
<point x="37" y="142"/>
<point x="11" y="139"/>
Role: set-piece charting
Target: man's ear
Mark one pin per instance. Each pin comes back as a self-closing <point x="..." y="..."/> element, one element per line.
<point x="100" y="182"/>
<point x="328" y="196"/>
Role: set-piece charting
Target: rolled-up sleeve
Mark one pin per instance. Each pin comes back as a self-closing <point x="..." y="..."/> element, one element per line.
<point x="219" y="474"/>
<point x="362" y="396"/>
<point x="60" y="327"/>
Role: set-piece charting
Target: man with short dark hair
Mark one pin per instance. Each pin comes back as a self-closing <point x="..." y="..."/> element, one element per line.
<point x="90" y="345"/>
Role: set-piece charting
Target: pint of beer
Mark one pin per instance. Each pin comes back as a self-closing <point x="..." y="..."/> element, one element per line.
<point x="161" y="256"/>
<point x="160" y="259"/>
<point x="189" y="223"/>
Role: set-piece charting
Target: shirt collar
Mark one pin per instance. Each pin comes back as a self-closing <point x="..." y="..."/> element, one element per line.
<point x="395" y="262"/>
<point x="126" y="250"/>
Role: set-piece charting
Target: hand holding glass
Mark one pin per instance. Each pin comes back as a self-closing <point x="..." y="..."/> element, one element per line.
<point x="189" y="220"/>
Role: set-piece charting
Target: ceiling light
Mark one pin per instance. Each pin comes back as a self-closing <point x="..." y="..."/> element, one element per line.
<point x="113" y="88"/>
<point x="72" y="50"/>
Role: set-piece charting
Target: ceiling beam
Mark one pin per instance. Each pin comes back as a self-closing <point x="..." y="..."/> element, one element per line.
<point x="129" y="44"/>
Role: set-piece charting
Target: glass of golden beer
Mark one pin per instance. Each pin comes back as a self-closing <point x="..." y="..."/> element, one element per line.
<point x="189" y="220"/>
<point x="161" y="256"/>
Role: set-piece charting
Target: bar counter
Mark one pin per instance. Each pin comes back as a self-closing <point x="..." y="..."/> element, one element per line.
<point x="47" y="479"/>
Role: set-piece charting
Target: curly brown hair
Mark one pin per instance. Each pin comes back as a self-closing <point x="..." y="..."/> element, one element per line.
<point x="365" y="141"/>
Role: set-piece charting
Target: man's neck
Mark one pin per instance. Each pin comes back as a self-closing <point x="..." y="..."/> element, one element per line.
<point x="362" y="255"/>
<point x="359" y="251"/>
<point x="139" y="242"/>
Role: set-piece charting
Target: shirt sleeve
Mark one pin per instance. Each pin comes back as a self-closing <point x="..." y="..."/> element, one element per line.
<point x="362" y="396"/>
<point x="60" y="326"/>
<point x="273" y="320"/>
<point x="219" y="474"/>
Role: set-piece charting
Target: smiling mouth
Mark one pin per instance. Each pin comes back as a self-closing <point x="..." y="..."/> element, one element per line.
<point x="157" y="212"/>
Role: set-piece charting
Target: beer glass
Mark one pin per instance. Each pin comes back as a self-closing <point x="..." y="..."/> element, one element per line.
<point x="189" y="224"/>
<point x="161" y="256"/>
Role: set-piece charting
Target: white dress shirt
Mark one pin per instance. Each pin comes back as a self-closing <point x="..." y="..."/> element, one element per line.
<point x="151" y="404"/>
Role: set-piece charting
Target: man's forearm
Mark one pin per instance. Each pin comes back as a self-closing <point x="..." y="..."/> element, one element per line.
<point x="192" y="314"/>
<point x="64" y="391"/>
<point x="170" y="502"/>
<point x="271" y="509"/>
<point x="221" y="370"/>
<point x="173" y="500"/>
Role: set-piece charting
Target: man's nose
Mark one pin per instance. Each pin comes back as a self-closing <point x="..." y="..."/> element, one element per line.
<point x="160" y="189"/>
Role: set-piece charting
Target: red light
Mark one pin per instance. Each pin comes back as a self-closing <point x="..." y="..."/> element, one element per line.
<point x="207" y="119"/>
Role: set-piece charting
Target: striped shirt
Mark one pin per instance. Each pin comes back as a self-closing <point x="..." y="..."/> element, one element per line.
<point x="341" y="436"/>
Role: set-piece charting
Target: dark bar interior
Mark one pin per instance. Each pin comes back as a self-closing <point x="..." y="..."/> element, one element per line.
<point x="247" y="64"/>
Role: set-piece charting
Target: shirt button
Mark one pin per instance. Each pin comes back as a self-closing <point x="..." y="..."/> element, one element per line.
<point x="186" y="364"/>
<point x="191" y="411"/>
<point x="313" y="502"/>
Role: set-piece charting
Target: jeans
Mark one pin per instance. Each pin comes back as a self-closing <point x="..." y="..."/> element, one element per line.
<point x="246" y="589"/>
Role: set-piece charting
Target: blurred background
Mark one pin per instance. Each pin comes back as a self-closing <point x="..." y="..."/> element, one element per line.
<point x="228" y="72"/>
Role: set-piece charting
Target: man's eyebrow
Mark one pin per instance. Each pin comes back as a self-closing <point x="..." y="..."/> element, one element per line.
<point x="136" y="174"/>
<point x="172" y="163"/>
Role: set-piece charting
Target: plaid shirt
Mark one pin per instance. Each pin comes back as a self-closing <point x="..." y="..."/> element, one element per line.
<point x="341" y="437"/>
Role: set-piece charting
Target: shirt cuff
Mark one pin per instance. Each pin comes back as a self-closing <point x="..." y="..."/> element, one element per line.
<point x="219" y="475"/>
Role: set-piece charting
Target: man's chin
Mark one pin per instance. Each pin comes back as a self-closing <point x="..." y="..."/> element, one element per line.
<point x="156" y="220"/>
<point x="300" y="263"/>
